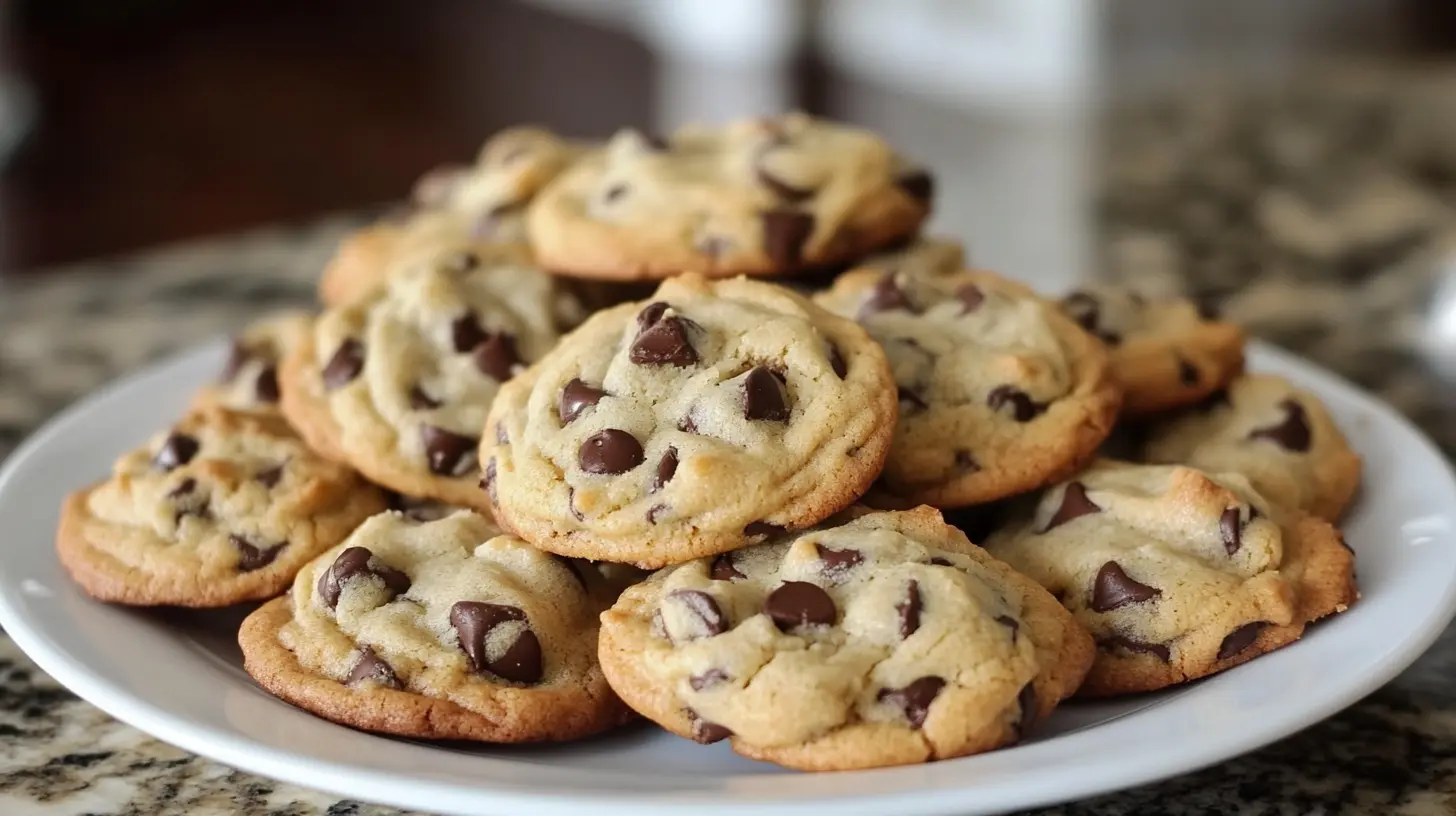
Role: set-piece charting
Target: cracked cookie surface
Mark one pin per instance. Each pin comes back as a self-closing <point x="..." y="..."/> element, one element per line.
<point x="698" y="422"/>
<point x="887" y="639"/>
<point x="222" y="508"/>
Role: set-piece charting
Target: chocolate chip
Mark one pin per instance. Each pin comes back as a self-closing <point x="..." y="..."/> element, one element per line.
<point x="838" y="561"/>
<point x="1231" y="526"/>
<point x="909" y="400"/>
<point x="1075" y="504"/>
<point x="1023" y="407"/>
<point x="965" y="462"/>
<point x="487" y="481"/>
<point x="723" y="568"/>
<point x="370" y="668"/>
<point x="1158" y="650"/>
<point x="941" y="562"/>
<point x="666" y="469"/>
<point x="345" y="365"/>
<point x="421" y="401"/>
<point x="1026" y="699"/>
<point x="252" y="557"/>
<point x="661" y="340"/>
<point x="265" y="388"/>
<point x="1114" y="588"/>
<point x="789" y="193"/>
<point x="1292" y="433"/>
<point x="496" y="357"/>
<point x="971" y="297"/>
<point x="609" y="452"/>
<point x="762" y="528"/>
<point x="1240" y="639"/>
<point x="655" y="513"/>
<point x="576" y="396"/>
<point x="355" y="561"/>
<point x="797" y="603"/>
<point x="1187" y="373"/>
<point x="1010" y="623"/>
<point x="473" y="622"/>
<point x="918" y="184"/>
<point x="885" y="296"/>
<point x="466" y="334"/>
<point x="270" y="477"/>
<point x="687" y="425"/>
<point x="909" y="610"/>
<point x="764" y="396"/>
<point x="708" y="617"/>
<point x="238" y="356"/>
<point x="1084" y="309"/>
<point x="707" y="733"/>
<point x="784" y="234"/>
<point x="571" y="504"/>
<point x="836" y="362"/>
<point x="914" y="700"/>
<point x="708" y="679"/>
<point x="448" y="453"/>
<point x="177" y="450"/>
<point x="182" y="489"/>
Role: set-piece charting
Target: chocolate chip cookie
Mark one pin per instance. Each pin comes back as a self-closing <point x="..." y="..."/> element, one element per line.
<point x="223" y="508"/>
<point x="1167" y="352"/>
<point x="1177" y="574"/>
<point x="441" y="629"/>
<point x="397" y="384"/>
<point x="481" y="204"/>
<point x="703" y="420"/>
<point x="756" y="197"/>
<point x="249" y="379"/>
<point x="888" y="639"/>
<point x="925" y="256"/>
<point x="1281" y="438"/>
<point x="999" y="392"/>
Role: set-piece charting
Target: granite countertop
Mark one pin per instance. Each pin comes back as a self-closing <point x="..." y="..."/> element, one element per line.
<point x="1322" y="216"/>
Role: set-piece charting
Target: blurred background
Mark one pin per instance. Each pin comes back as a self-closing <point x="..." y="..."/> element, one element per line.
<point x="1067" y="134"/>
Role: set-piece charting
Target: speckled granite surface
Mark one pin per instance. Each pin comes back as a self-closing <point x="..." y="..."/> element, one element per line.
<point x="1323" y="217"/>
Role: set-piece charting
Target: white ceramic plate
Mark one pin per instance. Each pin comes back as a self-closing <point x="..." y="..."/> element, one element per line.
<point x="179" y="676"/>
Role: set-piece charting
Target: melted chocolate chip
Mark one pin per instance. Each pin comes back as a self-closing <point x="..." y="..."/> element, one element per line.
<point x="886" y="296"/>
<point x="1292" y="433"/>
<point x="762" y="528"/>
<point x="918" y="184"/>
<point x="448" y="453"/>
<point x="1026" y="700"/>
<point x="265" y="388"/>
<point x="352" y="562"/>
<point x="576" y="396"/>
<point x="1158" y="650"/>
<point x="798" y="603"/>
<point x="270" y="477"/>
<point x="971" y="297"/>
<point x="662" y="340"/>
<point x="650" y="314"/>
<point x="496" y="357"/>
<point x="708" y="679"/>
<point x="707" y="733"/>
<point x="909" y="610"/>
<point x="1231" y="527"/>
<point x="1240" y="639"/>
<point x="177" y="450"/>
<point x="784" y="234"/>
<point x="466" y="334"/>
<point x="370" y="668"/>
<point x="610" y="452"/>
<point x="421" y="401"/>
<point x="836" y="362"/>
<point x="666" y="469"/>
<point x="838" y="562"/>
<point x="688" y="425"/>
<point x="1023" y="407"/>
<point x="723" y="569"/>
<point x="764" y="396"/>
<point x="1075" y="504"/>
<point x="914" y="700"/>
<point x="1114" y="588"/>
<point x="473" y="622"/>
<point x="1187" y="373"/>
<point x="252" y="557"/>
<point x="345" y="365"/>
<point x="708" y="617"/>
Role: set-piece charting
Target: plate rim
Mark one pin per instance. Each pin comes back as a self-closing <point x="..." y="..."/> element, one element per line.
<point x="344" y="780"/>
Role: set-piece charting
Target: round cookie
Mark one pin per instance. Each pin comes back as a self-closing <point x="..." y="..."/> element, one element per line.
<point x="888" y="639"/>
<point x="753" y="197"/>
<point x="442" y="629"/>
<point x="999" y="392"/>
<point x="705" y="420"/>
<point x="1177" y="574"/>
<point x="223" y="508"/>
<point x="397" y="383"/>
<point x="481" y="204"/>
<point x="249" y="378"/>
<point x="1166" y="352"/>
<point x="1281" y="438"/>
<point x="926" y="256"/>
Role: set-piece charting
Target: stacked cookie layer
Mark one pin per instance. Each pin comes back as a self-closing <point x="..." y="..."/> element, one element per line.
<point x="726" y="355"/>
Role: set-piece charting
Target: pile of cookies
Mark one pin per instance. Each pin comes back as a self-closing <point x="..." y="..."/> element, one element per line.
<point x="448" y="487"/>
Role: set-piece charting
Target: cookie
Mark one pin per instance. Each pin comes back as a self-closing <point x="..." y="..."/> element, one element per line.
<point x="481" y="204"/>
<point x="925" y="256"/>
<point x="249" y="379"/>
<point x="885" y="640"/>
<point x="397" y="384"/>
<point x="1281" y="438"/>
<point x="699" y="422"/>
<point x="1177" y="573"/>
<point x="223" y="508"/>
<point x="442" y="629"/>
<point x="999" y="392"/>
<point x="754" y="197"/>
<point x="1168" y="353"/>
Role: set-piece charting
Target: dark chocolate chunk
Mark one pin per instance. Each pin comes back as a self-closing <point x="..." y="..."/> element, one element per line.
<point x="496" y="357"/>
<point x="473" y="622"/>
<point x="610" y="452"/>
<point x="666" y="469"/>
<point x="466" y="333"/>
<point x="838" y="562"/>
<point x="265" y="388"/>
<point x="1075" y="504"/>
<point x="764" y="396"/>
<point x="704" y="610"/>
<point x="1023" y="407"/>
<point x="448" y="453"/>
<point x="1231" y="527"/>
<point x="177" y="450"/>
<point x="355" y="561"/>
<point x="345" y="365"/>
<point x="798" y="603"/>
<point x="1240" y="639"/>
<point x="1026" y="699"/>
<point x="708" y="679"/>
<point x="909" y="610"/>
<point x="252" y="557"/>
<point x="1113" y="588"/>
<point x="661" y="340"/>
<point x="576" y="396"/>
<point x="371" y="668"/>
<point x="707" y="733"/>
<point x="785" y="232"/>
<point x="1292" y="433"/>
<point x="1158" y="650"/>
<point x="918" y="184"/>
<point x="885" y="296"/>
<point x="915" y="699"/>
<point x="836" y="362"/>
